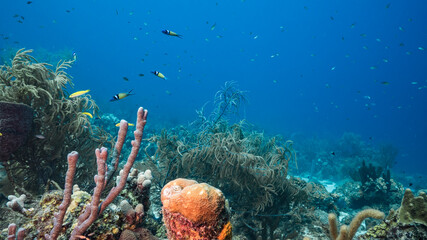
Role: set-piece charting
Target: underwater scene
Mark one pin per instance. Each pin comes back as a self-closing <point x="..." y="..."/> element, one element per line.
<point x="226" y="119"/>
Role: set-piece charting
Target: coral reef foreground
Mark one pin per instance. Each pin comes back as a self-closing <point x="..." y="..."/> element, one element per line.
<point x="212" y="179"/>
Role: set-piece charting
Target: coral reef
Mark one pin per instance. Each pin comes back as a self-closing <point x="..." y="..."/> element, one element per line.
<point x="227" y="102"/>
<point x="79" y="213"/>
<point x="408" y="222"/>
<point x="251" y="165"/>
<point x="248" y="167"/>
<point x="59" y="125"/>
<point x="137" y="188"/>
<point x="317" y="195"/>
<point x="372" y="187"/>
<point x="251" y="169"/>
<point x="366" y="173"/>
<point x="335" y="159"/>
<point x="374" y="194"/>
<point x="194" y="210"/>
<point x="413" y="209"/>
<point x="93" y="210"/>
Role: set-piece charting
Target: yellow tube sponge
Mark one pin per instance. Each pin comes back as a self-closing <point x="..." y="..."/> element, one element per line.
<point x="347" y="233"/>
<point x="358" y="219"/>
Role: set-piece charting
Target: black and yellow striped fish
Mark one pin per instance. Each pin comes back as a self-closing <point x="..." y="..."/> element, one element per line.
<point x="170" y="33"/>
<point x="119" y="96"/>
<point x="159" y="74"/>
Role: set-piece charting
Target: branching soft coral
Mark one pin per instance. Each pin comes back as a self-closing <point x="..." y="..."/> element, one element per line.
<point x="58" y="120"/>
<point x="250" y="168"/>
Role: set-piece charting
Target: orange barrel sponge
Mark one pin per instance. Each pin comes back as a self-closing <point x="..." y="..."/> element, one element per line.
<point x="193" y="210"/>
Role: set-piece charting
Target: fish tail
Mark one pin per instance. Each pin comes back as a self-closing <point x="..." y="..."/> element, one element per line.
<point x="129" y="93"/>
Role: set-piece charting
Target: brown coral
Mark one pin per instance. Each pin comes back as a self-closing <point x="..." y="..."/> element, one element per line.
<point x="413" y="209"/>
<point x="194" y="210"/>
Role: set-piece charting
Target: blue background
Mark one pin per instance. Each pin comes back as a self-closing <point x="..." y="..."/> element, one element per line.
<point x="305" y="64"/>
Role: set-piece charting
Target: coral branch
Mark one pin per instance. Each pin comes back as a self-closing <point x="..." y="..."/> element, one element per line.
<point x="91" y="212"/>
<point x="59" y="217"/>
<point x="117" y="150"/>
<point x="136" y="144"/>
<point x="355" y="223"/>
<point x="17" y="204"/>
<point x="347" y="233"/>
<point x="333" y="225"/>
<point x="343" y="233"/>
<point x="21" y="234"/>
<point x="11" y="232"/>
<point x="94" y="209"/>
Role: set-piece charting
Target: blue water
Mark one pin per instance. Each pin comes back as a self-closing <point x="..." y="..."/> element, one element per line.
<point x="305" y="64"/>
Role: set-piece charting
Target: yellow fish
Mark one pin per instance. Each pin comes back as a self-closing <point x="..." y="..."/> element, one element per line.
<point x="79" y="93"/>
<point x="1" y="134"/>
<point x="170" y="33"/>
<point x="159" y="74"/>
<point x="86" y="113"/>
<point x="119" y="96"/>
<point x="129" y="124"/>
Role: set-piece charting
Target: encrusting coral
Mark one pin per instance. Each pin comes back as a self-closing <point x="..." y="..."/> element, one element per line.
<point x="407" y="222"/>
<point x="59" y="125"/>
<point x="413" y="209"/>
<point x="193" y="210"/>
